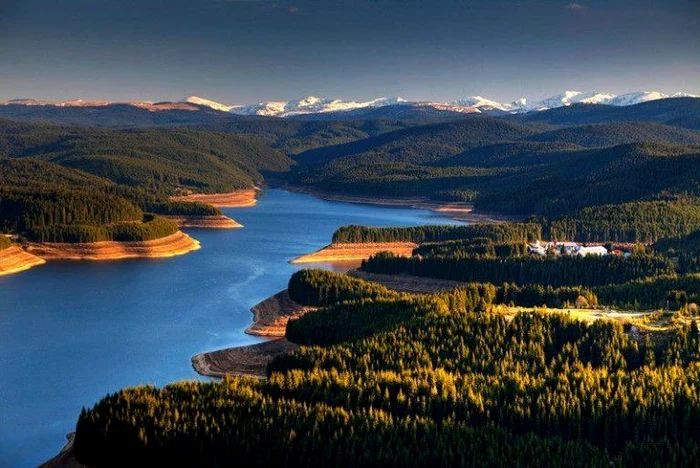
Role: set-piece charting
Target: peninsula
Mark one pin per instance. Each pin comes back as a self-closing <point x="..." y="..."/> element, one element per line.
<point x="345" y="252"/>
<point x="270" y="319"/>
<point x="236" y="199"/>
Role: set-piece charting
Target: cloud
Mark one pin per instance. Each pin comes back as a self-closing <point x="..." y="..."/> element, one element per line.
<point x="576" y="6"/>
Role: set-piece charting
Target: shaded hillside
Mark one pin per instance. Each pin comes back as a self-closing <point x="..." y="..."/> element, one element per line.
<point x="593" y="177"/>
<point x="618" y="133"/>
<point x="295" y="136"/>
<point x="682" y="112"/>
<point x="422" y="144"/>
<point x="288" y="135"/>
<point x="113" y="115"/>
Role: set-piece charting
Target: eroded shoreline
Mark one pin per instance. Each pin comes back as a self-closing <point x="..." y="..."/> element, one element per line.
<point x="242" y="361"/>
<point x="270" y="319"/>
<point x="344" y="252"/>
<point x="173" y="245"/>
<point x="236" y="199"/>
<point x="15" y="259"/>
<point x="460" y="211"/>
<point x="205" y="222"/>
<point x="270" y="316"/>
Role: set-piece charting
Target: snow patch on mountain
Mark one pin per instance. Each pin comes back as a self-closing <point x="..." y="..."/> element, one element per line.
<point x="480" y="102"/>
<point x="207" y="103"/>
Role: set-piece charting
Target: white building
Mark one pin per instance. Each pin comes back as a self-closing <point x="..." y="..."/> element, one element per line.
<point x="566" y="248"/>
<point x="595" y="250"/>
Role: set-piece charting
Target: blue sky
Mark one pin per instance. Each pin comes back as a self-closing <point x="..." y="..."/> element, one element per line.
<point x="242" y="51"/>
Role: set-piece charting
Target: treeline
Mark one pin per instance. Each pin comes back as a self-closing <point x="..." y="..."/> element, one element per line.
<point x="171" y="208"/>
<point x="500" y="233"/>
<point x="478" y="246"/>
<point x="674" y="292"/>
<point x="455" y="195"/>
<point x="685" y="250"/>
<point x="558" y="271"/>
<point x="41" y="200"/>
<point x="358" y="319"/>
<point x="238" y="422"/>
<point x="150" y="228"/>
<point x="29" y="209"/>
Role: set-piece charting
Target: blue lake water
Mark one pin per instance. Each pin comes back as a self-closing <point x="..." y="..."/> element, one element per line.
<point x="71" y="332"/>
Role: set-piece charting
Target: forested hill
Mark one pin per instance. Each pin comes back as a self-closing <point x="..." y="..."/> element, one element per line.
<point x="681" y="112"/>
<point x="159" y="160"/>
<point x="113" y="115"/>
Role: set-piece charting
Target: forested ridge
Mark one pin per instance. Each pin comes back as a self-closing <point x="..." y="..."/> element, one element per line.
<point x="508" y="232"/>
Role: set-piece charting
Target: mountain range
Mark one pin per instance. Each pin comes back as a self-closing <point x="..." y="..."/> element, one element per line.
<point x="311" y="106"/>
<point x="471" y="104"/>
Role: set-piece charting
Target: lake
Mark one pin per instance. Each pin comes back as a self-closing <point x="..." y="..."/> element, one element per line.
<point x="71" y="332"/>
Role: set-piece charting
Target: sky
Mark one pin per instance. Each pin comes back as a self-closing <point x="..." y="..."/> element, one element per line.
<point x="245" y="51"/>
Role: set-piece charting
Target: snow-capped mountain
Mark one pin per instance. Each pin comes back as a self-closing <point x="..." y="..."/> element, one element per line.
<point x="568" y="98"/>
<point x="207" y="103"/>
<point x="573" y="97"/>
<point x="311" y="105"/>
<point x="629" y="99"/>
<point x="480" y="103"/>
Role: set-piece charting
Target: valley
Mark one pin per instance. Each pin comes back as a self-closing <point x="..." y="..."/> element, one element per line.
<point x="465" y="268"/>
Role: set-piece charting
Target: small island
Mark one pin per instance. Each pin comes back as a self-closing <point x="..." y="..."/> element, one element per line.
<point x="347" y="252"/>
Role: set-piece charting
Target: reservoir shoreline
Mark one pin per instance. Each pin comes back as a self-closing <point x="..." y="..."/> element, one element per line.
<point x="270" y="319"/>
<point x="237" y="199"/>
<point x="15" y="259"/>
<point x="345" y="252"/>
<point x="460" y="211"/>
<point x="173" y="245"/>
<point x="205" y="222"/>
